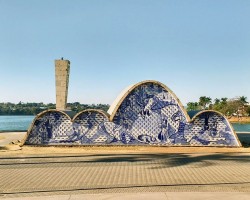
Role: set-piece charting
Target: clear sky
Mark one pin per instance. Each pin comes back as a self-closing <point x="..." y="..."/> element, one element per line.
<point x="195" y="47"/>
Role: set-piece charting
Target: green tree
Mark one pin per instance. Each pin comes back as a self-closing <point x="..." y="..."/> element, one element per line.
<point x="217" y="101"/>
<point x="193" y="106"/>
<point x="224" y="100"/>
<point x="243" y="99"/>
<point x="204" y="102"/>
<point x="248" y="110"/>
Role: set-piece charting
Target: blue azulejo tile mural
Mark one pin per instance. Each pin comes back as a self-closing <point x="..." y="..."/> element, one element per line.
<point x="148" y="114"/>
<point x="50" y="127"/>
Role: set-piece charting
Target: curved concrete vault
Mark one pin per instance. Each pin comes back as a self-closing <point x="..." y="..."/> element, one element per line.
<point x="146" y="113"/>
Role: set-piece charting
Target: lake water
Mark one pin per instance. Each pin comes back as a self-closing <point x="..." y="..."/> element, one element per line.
<point x="241" y="127"/>
<point x="22" y="123"/>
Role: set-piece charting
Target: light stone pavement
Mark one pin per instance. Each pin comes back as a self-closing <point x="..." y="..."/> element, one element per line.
<point x="27" y="176"/>
<point x="146" y="196"/>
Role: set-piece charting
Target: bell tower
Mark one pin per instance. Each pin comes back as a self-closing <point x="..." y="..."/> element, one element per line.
<point x="62" y="69"/>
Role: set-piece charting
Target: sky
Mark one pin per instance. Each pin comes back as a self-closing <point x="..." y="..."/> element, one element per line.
<point x="196" y="48"/>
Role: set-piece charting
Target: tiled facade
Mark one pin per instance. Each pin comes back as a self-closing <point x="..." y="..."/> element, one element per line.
<point x="150" y="114"/>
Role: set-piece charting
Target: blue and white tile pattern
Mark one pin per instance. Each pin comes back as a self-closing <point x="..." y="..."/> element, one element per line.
<point x="149" y="115"/>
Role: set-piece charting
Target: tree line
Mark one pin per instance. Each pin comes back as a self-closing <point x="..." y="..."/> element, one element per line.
<point x="22" y="108"/>
<point x="229" y="107"/>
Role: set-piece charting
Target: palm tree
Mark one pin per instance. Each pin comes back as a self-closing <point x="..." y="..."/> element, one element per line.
<point x="216" y="101"/>
<point x="192" y="106"/>
<point x="224" y="100"/>
<point x="243" y="99"/>
<point x="204" y="101"/>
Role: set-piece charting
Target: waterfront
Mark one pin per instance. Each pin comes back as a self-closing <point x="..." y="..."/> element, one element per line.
<point x="241" y="127"/>
<point x="22" y="123"/>
<point x="16" y="123"/>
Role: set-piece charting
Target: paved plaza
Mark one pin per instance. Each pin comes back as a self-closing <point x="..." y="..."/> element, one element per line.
<point x="123" y="174"/>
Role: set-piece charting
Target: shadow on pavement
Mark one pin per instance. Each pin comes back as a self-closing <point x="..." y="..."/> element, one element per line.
<point x="173" y="160"/>
<point x="158" y="160"/>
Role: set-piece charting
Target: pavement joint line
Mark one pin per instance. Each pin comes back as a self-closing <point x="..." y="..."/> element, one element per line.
<point x="85" y="155"/>
<point x="121" y="187"/>
<point x="130" y="191"/>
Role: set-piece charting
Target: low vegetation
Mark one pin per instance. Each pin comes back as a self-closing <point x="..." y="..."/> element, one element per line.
<point x="230" y="107"/>
<point x="35" y="108"/>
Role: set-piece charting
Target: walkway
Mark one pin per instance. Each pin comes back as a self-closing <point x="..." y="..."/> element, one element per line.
<point x="71" y="174"/>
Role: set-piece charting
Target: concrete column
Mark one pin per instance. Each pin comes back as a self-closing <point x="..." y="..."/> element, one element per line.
<point x="62" y="68"/>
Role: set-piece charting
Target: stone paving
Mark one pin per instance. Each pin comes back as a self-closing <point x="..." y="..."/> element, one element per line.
<point x="146" y="196"/>
<point x="112" y="173"/>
